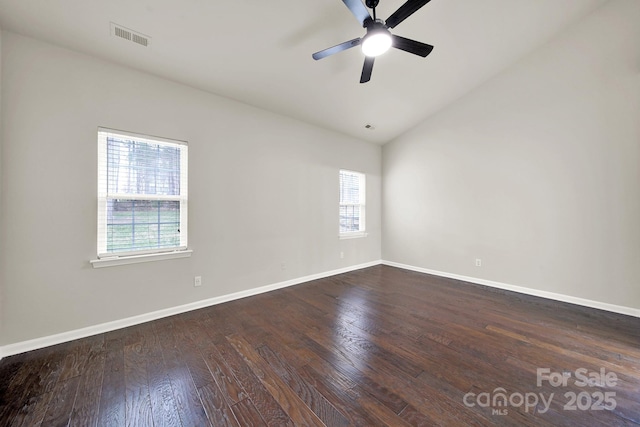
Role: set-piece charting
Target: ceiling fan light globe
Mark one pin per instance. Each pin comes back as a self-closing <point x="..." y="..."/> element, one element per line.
<point x="376" y="43"/>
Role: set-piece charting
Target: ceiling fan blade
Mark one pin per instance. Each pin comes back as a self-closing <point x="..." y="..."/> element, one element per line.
<point x="367" y="69"/>
<point x="405" y="11"/>
<point x="358" y="9"/>
<point x="411" y="46"/>
<point x="338" y="48"/>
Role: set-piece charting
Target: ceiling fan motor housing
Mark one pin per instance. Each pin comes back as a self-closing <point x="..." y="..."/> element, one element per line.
<point x="376" y="25"/>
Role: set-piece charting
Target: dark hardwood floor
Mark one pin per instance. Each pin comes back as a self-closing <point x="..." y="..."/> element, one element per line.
<point x="374" y="347"/>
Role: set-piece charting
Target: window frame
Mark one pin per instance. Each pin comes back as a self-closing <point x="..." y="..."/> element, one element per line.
<point x="362" y="189"/>
<point x="104" y="196"/>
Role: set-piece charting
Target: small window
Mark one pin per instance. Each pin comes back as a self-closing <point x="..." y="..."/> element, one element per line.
<point x="352" y="204"/>
<point x="142" y="194"/>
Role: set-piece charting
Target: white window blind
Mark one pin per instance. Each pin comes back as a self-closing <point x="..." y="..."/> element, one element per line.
<point x="142" y="194"/>
<point x="352" y="202"/>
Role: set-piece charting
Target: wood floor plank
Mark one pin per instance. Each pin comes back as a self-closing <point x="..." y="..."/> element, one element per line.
<point x="12" y="367"/>
<point x="338" y="397"/>
<point x="61" y="404"/>
<point x="217" y="409"/>
<point x="247" y="414"/>
<point x="137" y="398"/>
<point x="36" y="398"/>
<point x="439" y="407"/>
<point x="163" y="405"/>
<point x="379" y="346"/>
<point x="188" y="403"/>
<point x="112" y="407"/>
<point x="85" y="410"/>
<point x="309" y="395"/>
<point x="23" y="387"/>
<point x="33" y="413"/>
<point x="224" y="377"/>
<point x="75" y="359"/>
<point x="264" y="402"/>
<point x="298" y="411"/>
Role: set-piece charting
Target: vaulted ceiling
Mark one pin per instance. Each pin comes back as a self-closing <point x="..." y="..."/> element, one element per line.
<point x="259" y="52"/>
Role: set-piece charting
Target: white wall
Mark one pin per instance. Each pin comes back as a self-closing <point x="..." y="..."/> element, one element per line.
<point x="263" y="191"/>
<point x="537" y="172"/>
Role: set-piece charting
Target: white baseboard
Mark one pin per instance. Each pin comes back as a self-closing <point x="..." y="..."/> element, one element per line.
<point x="21" y="347"/>
<point x="629" y="311"/>
<point x="37" y="343"/>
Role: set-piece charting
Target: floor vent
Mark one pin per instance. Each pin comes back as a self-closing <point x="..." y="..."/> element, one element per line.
<point x="130" y="35"/>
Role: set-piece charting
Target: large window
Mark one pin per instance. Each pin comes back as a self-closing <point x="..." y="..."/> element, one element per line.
<point x="352" y="204"/>
<point x="142" y="194"/>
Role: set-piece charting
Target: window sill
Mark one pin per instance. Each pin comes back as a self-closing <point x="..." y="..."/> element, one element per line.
<point x="136" y="259"/>
<point x="355" y="235"/>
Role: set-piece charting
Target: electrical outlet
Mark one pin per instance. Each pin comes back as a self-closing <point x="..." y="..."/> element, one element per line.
<point x="478" y="262"/>
<point x="341" y="255"/>
<point x="197" y="281"/>
<point x="283" y="266"/>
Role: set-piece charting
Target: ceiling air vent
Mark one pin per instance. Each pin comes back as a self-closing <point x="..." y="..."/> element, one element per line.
<point x="130" y="35"/>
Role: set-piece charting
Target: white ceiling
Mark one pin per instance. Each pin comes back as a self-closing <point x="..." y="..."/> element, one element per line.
<point x="259" y="52"/>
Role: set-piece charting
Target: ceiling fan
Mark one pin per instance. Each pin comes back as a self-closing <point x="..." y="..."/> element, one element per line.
<point x="378" y="38"/>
